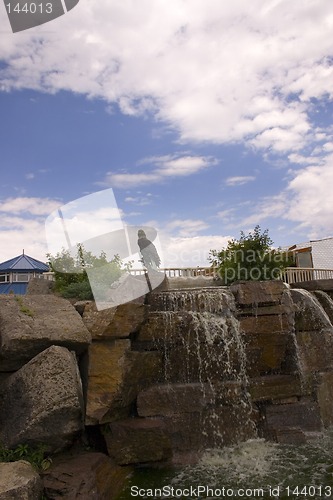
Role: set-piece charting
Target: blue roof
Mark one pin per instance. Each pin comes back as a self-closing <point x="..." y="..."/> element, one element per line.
<point x="23" y="263"/>
<point x="17" y="288"/>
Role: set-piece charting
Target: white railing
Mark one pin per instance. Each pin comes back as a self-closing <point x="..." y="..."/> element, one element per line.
<point x="181" y="272"/>
<point x="289" y="275"/>
<point x="299" y="274"/>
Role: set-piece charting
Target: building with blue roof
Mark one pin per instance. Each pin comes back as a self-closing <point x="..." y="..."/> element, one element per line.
<point x="15" y="273"/>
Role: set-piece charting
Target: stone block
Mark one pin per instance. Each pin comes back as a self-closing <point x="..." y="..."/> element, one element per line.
<point x="311" y="285"/>
<point x="30" y="324"/>
<point x="258" y="293"/>
<point x="266" y="351"/>
<point x="265" y="324"/>
<point x="138" y="440"/>
<point x="116" y="322"/>
<point x="90" y="475"/>
<point x="272" y="387"/>
<point x="186" y="431"/>
<point x="304" y="415"/>
<point x="42" y="403"/>
<point x="19" y="480"/>
<point x="217" y="300"/>
<point x="170" y="399"/>
<point x="115" y="376"/>
<point x="290" y="435"/>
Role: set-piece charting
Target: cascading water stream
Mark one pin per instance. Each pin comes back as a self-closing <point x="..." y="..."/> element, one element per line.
<point x="202" y="344"/>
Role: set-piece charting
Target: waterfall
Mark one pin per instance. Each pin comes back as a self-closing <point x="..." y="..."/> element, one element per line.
<point x="198" y="333"/>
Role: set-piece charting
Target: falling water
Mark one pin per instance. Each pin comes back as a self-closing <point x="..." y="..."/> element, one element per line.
<point x="200" y="338"/>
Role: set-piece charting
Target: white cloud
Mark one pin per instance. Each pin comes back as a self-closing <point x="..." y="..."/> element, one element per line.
<point x="213" y="71"/>
<point x="311" y="201"/>
<point x="22" y="226"/>
<point x="240" y="180"/>
<point x="33" y="206"/>
<point x="186" y="227"/>
<point x="18" y="234"/>
<point x="165" y="167"/>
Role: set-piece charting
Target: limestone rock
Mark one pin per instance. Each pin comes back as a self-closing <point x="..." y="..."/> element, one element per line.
<point x="265" y="324"/>
<point x="116" y="322"/>
<point x="138" y="440"/>
<point x="40" y="286"/>
<point x="258" y="293"/>
<point x="304" y="415"/>
<point x="116" y="375"/>
<point x="325" y="285"/>
<point x="168" y="399"/>
<point x="19" y="481"/>
<point x="274" y="387"/>
<point x="92" y="476"/>
<point x="42" y="402"/>
<point x="30" y="324"/>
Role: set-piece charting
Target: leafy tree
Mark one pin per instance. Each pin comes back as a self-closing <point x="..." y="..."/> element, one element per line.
<point x="250" y="258"/>
<point x="70" y="272"/>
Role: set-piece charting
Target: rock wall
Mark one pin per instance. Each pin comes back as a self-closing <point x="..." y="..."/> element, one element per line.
<point x="254" y="359"/>
<point x="161" y="378"/>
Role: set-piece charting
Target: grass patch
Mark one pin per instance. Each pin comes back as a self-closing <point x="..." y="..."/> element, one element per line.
<point x="23" y="308"/>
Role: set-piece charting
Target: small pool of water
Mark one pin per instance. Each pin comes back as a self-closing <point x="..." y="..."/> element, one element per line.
<point x="249" y="470"/>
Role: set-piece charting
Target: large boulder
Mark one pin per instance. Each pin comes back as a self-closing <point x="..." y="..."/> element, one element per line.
<point x="115" y="322"/>
<point x="19" y="481"/>
<point x="89" y="475"/>
<point x="116" y="375"/>
<point x="30" y="324"/>
<point x="258" y="293"/>
<point x="42" y="402"/>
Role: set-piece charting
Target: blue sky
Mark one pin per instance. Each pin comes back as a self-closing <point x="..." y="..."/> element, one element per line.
<point x="205" y="117"/>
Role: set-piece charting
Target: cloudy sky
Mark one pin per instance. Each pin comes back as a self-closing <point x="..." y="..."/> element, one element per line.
<point x="205" y="117"/>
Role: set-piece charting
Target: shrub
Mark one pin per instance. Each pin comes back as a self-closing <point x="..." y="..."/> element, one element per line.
<point x="251" y="258"/>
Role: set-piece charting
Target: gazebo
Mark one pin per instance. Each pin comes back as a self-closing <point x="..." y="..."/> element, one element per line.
<point x="16" y="273"/>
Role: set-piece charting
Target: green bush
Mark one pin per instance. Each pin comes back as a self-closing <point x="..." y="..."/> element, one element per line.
<point x="35" y="456"/>
<point x="251" y="258"/>
<point x="70" y="272"/>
